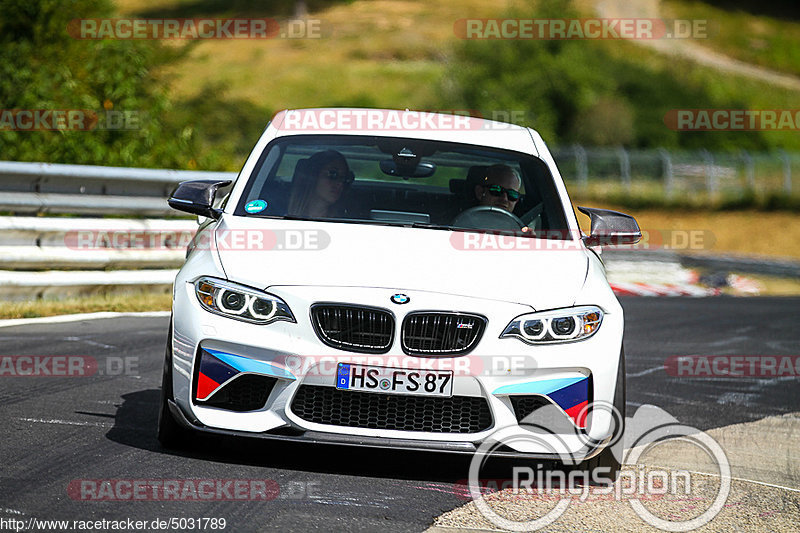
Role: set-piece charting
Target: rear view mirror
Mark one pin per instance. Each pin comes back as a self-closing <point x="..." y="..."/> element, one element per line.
<point x="611" y="228"/>
<point x="421" y="169"/>
<point x="197" y="197"/>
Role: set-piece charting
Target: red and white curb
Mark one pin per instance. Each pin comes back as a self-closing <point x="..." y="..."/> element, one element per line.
<point x="651" y="289"/>
<point x="655" y="278"/>
<point x="744" y="285"/>
<point x="670" y="278"/>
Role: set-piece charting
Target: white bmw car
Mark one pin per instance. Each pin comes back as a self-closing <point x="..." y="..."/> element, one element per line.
<point x="396" y="279"/>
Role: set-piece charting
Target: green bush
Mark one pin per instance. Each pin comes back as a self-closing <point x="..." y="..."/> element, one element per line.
<point x="43" y="67"/>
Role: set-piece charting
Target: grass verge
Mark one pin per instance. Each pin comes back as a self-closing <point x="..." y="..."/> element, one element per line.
<point x="769" y="286"/>
<point x="123" y="303"/>
<point x="769" y="41"/>
<point x="775" y="234"/>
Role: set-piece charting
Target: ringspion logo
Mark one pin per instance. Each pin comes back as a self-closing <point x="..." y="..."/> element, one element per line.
<point x="650" y="491"/>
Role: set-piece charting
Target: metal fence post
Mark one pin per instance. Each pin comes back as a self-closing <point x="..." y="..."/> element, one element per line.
<point x="624" y="167"/>
<point x="581" y="166"/>
<point x="669" y="178"/>
<point x="749" y="170"/>
<point x="787" y="173"/>
<point x="711" y="182"/>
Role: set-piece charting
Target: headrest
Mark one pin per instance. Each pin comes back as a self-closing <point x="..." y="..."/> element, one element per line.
<point x="475" y="175"/>
<point x="303" y="167"/>
<point x="457" y="186"/>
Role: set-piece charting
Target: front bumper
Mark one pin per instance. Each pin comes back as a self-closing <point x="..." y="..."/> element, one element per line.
<point x="339" y="439"/>
<point x="497" y="370"/>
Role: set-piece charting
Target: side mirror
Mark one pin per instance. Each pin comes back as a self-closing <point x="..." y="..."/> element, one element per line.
<point x="197" y="197"/>
<point x="611" y="228"/>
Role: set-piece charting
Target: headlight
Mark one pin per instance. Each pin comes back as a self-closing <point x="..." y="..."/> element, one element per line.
<point x="240" y="302"/>
<point x="559" y="325"/>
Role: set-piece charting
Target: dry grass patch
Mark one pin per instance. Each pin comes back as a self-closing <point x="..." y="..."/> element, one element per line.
<point x="387" y="52"/>
<point x="123" y="303"/>
<point x="774" y="234"/>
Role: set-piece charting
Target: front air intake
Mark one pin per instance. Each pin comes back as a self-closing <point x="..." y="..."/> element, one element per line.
<point x="441" y="333"/>
<point x="398" y="412"/>
<point x="353" y="328"/>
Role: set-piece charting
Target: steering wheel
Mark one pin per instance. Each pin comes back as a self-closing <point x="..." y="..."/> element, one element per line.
<point x="488" y="217"/>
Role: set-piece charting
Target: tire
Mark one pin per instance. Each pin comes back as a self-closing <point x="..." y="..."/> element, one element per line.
<point x="171" y="435"/>
<point x="610" y="457"/>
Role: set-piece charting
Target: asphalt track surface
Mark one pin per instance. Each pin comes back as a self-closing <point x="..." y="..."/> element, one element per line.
<point x="56" y="430"/>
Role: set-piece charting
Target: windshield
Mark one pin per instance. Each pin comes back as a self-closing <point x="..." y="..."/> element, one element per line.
<point x="408" y="182"/>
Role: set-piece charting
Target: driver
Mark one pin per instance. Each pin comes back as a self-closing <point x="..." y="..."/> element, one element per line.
<point x="499" y="188"/>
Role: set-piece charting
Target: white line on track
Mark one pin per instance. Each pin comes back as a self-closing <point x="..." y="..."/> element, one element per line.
<point x="89" y="342"/>
<point x="645" y="372"/>
<point x="326" y="501"/>
<point x="80" y="316"/>
<point x="66" y="422"/>
<point x="773" y="485"/>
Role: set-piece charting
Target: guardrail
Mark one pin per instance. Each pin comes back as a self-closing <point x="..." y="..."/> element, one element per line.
<point x="36" y="188"/>
<point x="41" y="243"/>
<point x="43" y="257"/>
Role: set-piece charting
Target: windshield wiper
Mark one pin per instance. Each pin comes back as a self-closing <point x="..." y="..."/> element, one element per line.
<point x="345" y="220"/>
<point x="425" y="225"/>
<point x="428" y="225"/>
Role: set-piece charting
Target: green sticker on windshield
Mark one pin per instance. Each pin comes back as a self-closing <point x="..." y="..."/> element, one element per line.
<point x="256" y="206"/>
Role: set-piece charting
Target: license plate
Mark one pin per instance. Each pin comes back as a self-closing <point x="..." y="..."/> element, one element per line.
<point x="394" y="380"/>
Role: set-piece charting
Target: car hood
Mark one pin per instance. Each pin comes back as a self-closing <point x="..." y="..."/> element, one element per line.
<point x="264" y="252"/>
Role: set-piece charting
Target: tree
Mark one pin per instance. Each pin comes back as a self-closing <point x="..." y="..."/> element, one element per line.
<point x="42" y="67"/>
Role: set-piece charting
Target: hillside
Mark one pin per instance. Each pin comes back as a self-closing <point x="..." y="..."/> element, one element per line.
<point x="404" y="53"/>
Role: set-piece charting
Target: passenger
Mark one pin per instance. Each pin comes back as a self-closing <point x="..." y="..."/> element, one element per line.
<point x="499" y="188"/>
<point x="318" y="192"/>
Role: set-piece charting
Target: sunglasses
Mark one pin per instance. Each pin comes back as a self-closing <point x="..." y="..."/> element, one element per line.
<point x="498" y="190"/>
<point x="344" y="177"/>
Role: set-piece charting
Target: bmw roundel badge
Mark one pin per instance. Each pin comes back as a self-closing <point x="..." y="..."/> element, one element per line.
<point x="400" y="299"/>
